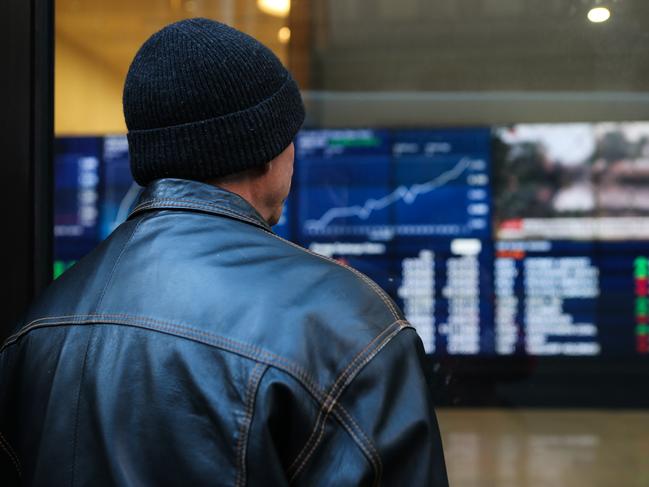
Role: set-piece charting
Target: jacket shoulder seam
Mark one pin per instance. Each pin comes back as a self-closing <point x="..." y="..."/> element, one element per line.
<point x="328" y="401"/>
<point x="117" y="261"/>
<point x="331" y="405"/>
<point x="358" y="436"/>
<point x="363" y="442"/>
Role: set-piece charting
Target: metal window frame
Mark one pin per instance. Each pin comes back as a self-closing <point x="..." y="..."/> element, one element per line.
<point x="26" y="141"/>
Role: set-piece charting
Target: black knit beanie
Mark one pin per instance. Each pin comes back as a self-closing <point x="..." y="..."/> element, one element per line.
<point x="203" y="100"/>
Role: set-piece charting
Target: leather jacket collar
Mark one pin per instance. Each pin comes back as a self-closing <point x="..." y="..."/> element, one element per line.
<point x="182" y="194"/>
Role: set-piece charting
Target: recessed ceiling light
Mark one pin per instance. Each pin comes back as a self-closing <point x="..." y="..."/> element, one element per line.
<point x="599" y="14"/>
<point x="278" y="8"/>
<point x="284" y="35"/>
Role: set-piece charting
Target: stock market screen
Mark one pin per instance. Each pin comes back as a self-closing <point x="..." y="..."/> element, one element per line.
<point x="571" y="217"/>
<point x="94" y="192"/>
<point x="531" y="239"/>
<point x="412" y="210"/>
<point x="77" y="164"/>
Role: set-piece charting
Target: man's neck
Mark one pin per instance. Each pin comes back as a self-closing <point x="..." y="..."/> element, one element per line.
<point x="246" y="190"/>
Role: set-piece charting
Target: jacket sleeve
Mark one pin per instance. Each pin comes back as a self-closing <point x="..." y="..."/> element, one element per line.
<point x="383" y="429"/>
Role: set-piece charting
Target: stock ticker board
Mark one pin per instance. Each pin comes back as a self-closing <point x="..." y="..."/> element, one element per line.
<point x="521" y="240"/>
<point x="412" y="210"/>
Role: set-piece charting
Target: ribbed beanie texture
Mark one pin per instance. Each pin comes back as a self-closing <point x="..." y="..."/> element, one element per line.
<point x="203" y="100"/>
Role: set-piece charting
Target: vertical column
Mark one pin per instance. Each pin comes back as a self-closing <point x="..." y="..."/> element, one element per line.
<point x="641" y="274"/>
<point x="26" y="121"/>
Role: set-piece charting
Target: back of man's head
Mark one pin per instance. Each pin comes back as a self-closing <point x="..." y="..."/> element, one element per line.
<point x="203" y="101"/>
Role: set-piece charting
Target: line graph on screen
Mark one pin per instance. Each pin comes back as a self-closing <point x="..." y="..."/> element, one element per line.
<point x="403" y="193"/>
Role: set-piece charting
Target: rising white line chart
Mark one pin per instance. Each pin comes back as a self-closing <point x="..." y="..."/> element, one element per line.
<point x="407" y="194"/>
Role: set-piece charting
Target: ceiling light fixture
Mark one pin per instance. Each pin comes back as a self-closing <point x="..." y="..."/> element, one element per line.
<point x="278" y="8"/>
<point x="599" y="14"/>
<point x="284" y="35"/>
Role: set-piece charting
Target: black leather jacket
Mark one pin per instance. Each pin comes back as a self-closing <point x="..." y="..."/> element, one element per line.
<point x="196" y="347"/>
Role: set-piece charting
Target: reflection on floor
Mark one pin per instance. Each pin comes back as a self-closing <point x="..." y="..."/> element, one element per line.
<point x="530" y="448"/>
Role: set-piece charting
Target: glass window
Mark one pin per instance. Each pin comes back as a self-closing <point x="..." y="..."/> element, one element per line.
<point x="485" y="161"/>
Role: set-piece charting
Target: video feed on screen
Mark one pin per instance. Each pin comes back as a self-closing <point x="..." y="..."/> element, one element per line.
<point x="574" y="181"/>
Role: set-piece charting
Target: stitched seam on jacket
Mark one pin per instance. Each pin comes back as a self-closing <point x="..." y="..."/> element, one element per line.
<point x="308" y="451"/>
<point x="339" y="406"/>
<point x="247" y="350"/>
<point x="363" y="442"/>
<point x="386" y="300"/>
<point x="209" y="204"/>
<point x="242" y="443"/>
<point x="331" y="396"/>
<point x="76" y="416"/>
<point x="119" y="258"/>
<point x="189" y="204"/>
<point x="6" y="446"/>
<point x="327" y="411"/>
<point x="195" y="204"/>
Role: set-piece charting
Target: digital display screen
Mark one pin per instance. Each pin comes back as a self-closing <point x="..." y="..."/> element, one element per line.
<point x="411" y="209"/>
<point x="77" y="166"/>
<point x="531" y="239"/>
<point x="93" y="193"/>
<point x="571" y="218"/>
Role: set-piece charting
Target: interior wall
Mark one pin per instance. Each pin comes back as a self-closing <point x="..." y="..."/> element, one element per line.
<point x="97" y="39"/>
<point x="87" y="92"/>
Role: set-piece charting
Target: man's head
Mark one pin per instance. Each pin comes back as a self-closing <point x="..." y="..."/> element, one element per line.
<point x="204" y="101"/>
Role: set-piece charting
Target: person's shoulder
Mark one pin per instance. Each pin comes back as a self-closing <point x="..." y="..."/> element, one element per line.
<point x="350" y="291"/>
<point x="329" y="319"/>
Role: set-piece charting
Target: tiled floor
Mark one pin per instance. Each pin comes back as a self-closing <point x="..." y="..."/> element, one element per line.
<point x="545" y="448"/>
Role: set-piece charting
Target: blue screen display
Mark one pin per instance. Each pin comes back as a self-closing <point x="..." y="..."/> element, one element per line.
<point x="412" y="210"/>
<point x="77" y="167"/>
<point x="523" y="240"/>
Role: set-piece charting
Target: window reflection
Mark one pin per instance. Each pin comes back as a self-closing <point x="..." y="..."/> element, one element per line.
<point x="96" y="41"/>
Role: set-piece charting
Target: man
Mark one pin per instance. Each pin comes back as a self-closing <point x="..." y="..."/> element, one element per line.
<point x="194" y="346"/>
